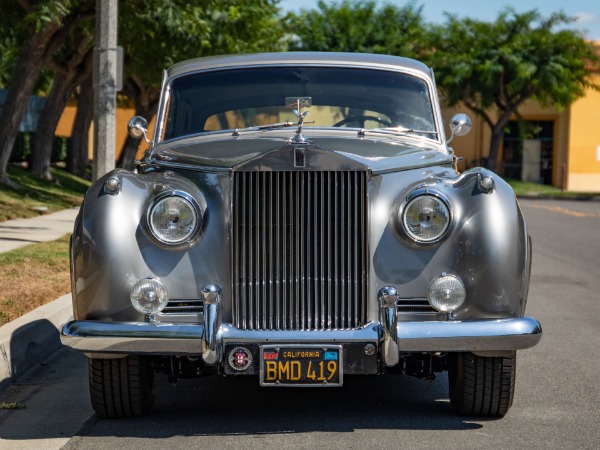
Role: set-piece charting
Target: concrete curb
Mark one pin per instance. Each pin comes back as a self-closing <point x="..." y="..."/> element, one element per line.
<point x="32" y="338"/>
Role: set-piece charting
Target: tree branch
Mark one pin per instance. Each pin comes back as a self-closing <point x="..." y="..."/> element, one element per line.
<point x="59" y="37"/>
<point x="480" y="111"/>
<point x="500" y="98"/>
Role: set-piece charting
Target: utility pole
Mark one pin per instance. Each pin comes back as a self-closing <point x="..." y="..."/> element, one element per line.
<point x="105" y="93"/>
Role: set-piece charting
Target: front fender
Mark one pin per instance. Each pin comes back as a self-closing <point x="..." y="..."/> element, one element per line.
<point x="487" y="245"/>
<point x="112" y="248"/>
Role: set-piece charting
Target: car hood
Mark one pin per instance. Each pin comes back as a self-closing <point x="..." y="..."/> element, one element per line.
<point x="379" y="154"/>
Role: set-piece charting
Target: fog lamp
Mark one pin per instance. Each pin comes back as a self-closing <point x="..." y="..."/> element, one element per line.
<point x="149" y="296"/>
<point x="446" y="293"/>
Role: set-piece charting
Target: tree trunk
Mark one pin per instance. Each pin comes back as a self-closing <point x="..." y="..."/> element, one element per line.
<point x="128" y="152"/>
<point x="498" y="135"/>
<point x="495" y="141"/>
<point x="31" y="62"/>
<point x="43" y="139"/>
<point x="77" y="150"/>
<point x="146" y="104"/>
<point x="63" y="86"/>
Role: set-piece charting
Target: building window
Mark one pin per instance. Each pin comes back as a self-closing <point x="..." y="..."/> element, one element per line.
<point x="528" y="151"/>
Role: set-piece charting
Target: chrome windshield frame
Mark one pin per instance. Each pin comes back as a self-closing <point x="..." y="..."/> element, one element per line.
<point x="432" y="94"/>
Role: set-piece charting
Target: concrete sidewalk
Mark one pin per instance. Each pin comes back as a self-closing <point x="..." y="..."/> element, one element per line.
<point x="20" y="232"/>
<point x="32" y="338"/>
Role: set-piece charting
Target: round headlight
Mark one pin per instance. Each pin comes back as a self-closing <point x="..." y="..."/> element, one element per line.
<point x="425" y="218"/>
<point x="174" y="219"/>
<point x="149" y="296"/>
<point x="446" y="293"/>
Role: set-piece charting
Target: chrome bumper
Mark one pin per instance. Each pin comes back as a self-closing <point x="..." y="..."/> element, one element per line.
<point x="389" y="335"/>
<point x="197" y="339"/>
<point x="160" y="338"/>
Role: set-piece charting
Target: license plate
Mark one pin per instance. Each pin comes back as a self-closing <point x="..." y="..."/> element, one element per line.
<point x="289" y="365"/>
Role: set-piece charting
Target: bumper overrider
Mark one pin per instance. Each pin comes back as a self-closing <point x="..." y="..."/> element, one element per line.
<point x="389" y="335"/>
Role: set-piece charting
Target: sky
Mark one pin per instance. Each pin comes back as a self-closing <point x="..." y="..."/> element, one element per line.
<point x="586" y="11"/>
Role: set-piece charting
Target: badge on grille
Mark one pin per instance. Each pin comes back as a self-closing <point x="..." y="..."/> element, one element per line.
<point x="299" y="158"/>
<point x="240" y="358"/>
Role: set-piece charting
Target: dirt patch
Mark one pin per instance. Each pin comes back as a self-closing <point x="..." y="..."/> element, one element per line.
<point x="33" y="276"/>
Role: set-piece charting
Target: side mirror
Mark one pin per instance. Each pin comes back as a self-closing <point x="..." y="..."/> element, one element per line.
<point x="460" y="125"/>
<point x="137" y="128"/>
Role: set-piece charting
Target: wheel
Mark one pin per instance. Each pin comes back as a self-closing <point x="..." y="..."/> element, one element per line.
<point x="482" y="386"/>
<point x="121" y="388"/>
<point x="362" y="118"/>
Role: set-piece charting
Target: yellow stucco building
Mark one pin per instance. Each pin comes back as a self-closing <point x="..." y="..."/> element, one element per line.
<point x="560" y="148"/>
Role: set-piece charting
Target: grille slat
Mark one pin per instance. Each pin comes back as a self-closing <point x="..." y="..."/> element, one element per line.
<point x="176" y="307"/>
<point x="299" y="247"/>
<point x="414" y="305"/>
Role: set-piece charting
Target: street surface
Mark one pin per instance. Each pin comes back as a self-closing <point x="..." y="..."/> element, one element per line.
<point x="557" y="402"/>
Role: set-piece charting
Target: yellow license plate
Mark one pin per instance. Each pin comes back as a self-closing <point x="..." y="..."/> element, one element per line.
<point x="289" y="365"/>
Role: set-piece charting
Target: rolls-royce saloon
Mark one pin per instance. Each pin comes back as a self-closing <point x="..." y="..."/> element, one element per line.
<point x="299" y="218"/>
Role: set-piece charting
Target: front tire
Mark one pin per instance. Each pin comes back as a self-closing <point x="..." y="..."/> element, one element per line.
<point x="482" y="386"/>
<point x="121" y="388"/>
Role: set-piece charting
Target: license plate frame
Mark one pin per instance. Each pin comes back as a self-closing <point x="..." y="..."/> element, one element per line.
<point x="286" y="353"/>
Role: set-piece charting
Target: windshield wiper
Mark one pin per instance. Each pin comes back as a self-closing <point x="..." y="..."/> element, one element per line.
<point x="237" y="131"/>
<point x="395" y="131"/>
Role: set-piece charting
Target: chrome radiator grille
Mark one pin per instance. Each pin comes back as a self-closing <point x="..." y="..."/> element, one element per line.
<point x="300" y="250"/>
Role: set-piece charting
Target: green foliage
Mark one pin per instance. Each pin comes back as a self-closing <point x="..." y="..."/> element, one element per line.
<point x="499" y="65"/>
<point x="18" y="22"/>
<point x="156" y="34"/>
<point x="359" y="26"/>
<point x="519" y="56"/>
<point x="9" y="49"/>
<point x="11" y="39"/>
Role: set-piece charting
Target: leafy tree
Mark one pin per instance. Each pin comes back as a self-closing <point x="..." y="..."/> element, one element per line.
<point x="46" y="24"/>
<point x="159" y="33"/>
<point x="496" y="66"/>
<point x="359" y="26"/>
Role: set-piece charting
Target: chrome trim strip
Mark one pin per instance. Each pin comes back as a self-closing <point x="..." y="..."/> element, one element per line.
<point x="479" y="335"/>
<point x="133" y="337"/>
<point x="368" y="333"/>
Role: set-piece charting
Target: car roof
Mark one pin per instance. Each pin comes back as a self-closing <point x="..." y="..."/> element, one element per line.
<point x="300" y="58"/>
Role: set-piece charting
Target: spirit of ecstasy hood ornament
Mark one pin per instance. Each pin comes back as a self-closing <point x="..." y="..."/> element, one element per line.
<point x="297" y="103"/>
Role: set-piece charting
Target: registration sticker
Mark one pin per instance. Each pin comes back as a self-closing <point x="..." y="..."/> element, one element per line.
<point x="290" y="365"/>
<point x="330" y="356"/>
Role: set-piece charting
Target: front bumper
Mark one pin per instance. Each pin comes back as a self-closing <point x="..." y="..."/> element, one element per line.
<point x="388" y="335"/>
<point x="175" y="339"/>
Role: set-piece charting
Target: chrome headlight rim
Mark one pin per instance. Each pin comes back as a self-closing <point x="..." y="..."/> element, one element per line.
<point x="408" y="200"/>
<point x="192" y="236"/>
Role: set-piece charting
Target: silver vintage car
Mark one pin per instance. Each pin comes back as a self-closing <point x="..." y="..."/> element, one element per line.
<point x="299" y="218"/>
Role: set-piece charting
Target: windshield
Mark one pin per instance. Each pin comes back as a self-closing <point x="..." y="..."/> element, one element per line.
<point x="338" y="97"/>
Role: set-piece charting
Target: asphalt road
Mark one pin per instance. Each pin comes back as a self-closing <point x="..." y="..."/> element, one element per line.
<point x="557" y="402"/>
